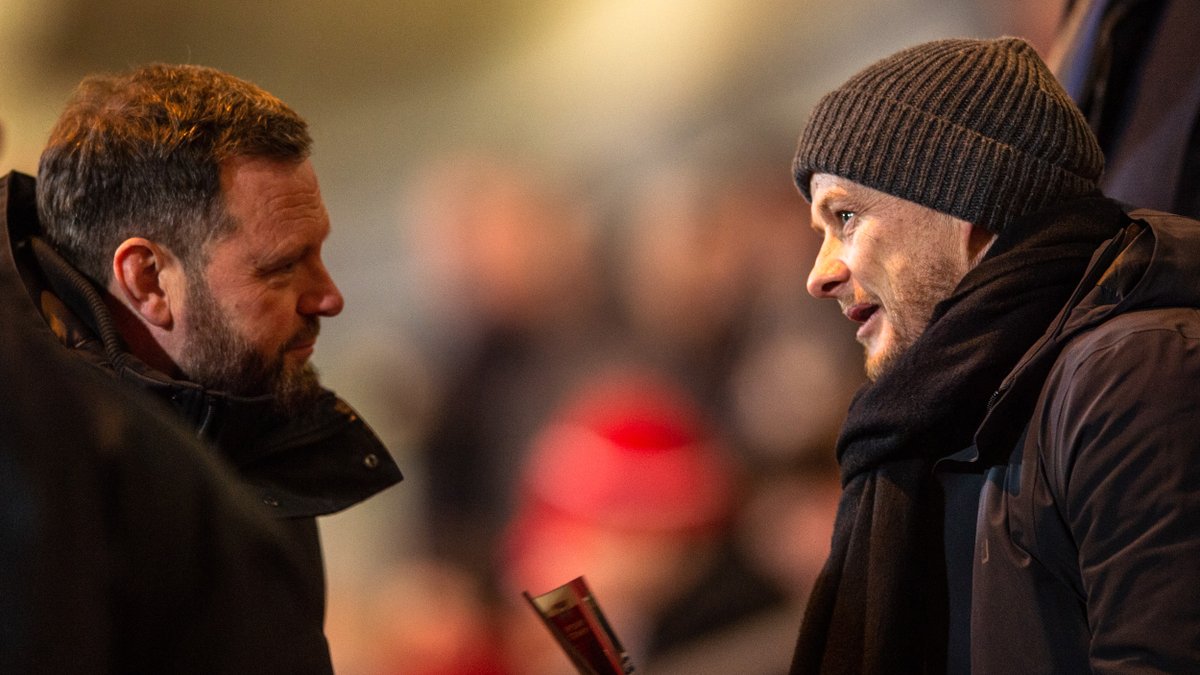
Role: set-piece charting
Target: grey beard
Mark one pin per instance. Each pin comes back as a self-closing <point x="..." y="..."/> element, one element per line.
<point x="217" y="358"/>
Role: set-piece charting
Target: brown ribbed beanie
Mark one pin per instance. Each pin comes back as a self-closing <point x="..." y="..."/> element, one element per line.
<point x="978" y="129"/>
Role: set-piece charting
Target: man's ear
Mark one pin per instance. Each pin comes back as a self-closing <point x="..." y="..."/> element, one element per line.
<point x="143" y="277"/>
<point x="979" y="240"/>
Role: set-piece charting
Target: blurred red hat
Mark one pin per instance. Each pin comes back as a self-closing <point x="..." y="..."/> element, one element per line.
<point x="631" y="451"/>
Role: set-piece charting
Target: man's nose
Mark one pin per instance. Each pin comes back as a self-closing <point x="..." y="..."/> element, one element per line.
<point x="828" y="272"/>
<point x="324" y="298"/>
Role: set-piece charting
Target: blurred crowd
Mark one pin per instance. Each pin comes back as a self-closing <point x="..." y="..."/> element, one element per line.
<point x="640" y="393"/>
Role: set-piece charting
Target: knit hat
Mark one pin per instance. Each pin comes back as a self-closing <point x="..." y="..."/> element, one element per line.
<point x="978" y="129"/>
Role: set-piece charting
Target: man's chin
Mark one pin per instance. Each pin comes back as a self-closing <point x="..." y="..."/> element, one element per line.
<point x="298" y="390"/>
<point x="879" y="362"/>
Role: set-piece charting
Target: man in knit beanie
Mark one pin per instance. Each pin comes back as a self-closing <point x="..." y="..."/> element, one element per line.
<point x="1020" y="487"/>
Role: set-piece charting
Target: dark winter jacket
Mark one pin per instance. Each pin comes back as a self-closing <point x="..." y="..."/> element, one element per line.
<point x="1083" y="554"/>
<point x="125" y="546"/>
<point x="297" y="468"/>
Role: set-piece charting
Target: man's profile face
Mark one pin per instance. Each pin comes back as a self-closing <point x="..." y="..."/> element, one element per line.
<point x="252" y="320"/>
<point x="887" y="262"/>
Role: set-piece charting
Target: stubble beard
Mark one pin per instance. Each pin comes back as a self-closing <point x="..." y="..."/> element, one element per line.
<point x="218" y="358"/>
<point x="911" y="310"/>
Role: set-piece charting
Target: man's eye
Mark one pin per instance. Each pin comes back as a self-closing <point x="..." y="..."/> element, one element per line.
<point x="279" y="268"/>
<point x="845" y="216"/>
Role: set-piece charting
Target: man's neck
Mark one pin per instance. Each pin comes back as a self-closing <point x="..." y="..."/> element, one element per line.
<point x="138" y="337"/>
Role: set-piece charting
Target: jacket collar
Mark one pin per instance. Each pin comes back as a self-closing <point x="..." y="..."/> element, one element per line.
<point x="1145" y="266"/>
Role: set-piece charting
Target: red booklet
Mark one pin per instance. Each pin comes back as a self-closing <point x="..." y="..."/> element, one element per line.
<point x="574" y="618"/>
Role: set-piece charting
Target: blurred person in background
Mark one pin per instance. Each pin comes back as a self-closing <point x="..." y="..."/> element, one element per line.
<point x="706" y="267"/>
<point x="1131" y="67"/>
<point x="1020" y="480"/>
<point x="177" y="246"/>
<point x="630" y="486"/>
<point x="504" y="256"/>
<point x="709" y="284"/>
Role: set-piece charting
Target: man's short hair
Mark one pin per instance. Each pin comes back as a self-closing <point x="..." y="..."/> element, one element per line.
<point x="140" y="154"/>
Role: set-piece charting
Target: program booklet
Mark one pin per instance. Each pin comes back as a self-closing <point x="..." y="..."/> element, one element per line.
<point x="575" y="620"/>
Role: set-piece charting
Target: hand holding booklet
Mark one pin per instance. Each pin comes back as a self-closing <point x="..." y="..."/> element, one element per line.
<point x="574" y="618"/>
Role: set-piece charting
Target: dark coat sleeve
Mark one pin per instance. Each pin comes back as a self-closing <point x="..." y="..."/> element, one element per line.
<point x="1121" y="456"/>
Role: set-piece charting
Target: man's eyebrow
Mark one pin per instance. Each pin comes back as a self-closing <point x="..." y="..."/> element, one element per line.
<point x="823" y="205"/>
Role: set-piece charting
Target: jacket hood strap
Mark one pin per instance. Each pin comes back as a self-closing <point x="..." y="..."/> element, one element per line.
<point x="81" y="297"/>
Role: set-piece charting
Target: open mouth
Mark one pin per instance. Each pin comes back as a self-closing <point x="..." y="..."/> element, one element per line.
<point x="861" y="312"/>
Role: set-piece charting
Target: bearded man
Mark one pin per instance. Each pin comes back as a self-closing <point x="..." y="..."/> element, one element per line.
<point x="1021" y="486"/>
<point x="176" y="245"/>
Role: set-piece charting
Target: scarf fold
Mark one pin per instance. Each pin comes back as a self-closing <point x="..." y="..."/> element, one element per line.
<point x="879" y="605"/>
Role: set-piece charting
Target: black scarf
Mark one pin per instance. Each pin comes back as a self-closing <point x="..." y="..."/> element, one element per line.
<point x="879" y="605"/>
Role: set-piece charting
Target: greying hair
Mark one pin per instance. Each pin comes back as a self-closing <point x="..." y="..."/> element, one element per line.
<point x="140" y="154"/>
